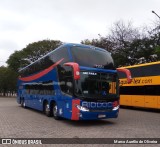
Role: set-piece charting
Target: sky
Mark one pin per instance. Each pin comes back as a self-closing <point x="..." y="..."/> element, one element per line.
<point x="27" y="21"/>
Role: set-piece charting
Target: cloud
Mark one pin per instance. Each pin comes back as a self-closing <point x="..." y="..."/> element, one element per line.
<point x="26" y="21"/>
<point x="4" y="56"/>
<point x="8" y="45"/>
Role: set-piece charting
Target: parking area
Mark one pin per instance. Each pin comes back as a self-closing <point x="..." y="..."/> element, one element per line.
<point x="17" y="122"/>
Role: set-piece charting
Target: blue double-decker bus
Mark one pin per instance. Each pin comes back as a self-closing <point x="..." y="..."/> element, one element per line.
<point x="74" y="81"/>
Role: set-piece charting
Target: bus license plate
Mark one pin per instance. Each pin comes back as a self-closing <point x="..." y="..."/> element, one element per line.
<point x="101" y="115"/>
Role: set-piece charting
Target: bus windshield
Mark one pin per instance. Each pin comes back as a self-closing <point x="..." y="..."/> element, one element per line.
<point x="92" y="57"/>
<point x="96" y="85"/>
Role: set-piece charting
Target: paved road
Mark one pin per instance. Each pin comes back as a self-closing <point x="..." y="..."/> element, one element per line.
<point x="18" y="122"/>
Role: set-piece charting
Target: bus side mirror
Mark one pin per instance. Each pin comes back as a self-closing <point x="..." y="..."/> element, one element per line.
<point x="76" y="70"/>
<point x="127" y="72"/>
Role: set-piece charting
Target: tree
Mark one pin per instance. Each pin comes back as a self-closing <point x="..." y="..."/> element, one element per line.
<point x="118" y="42"/>
<point x="16" y="60"/>
<point x="102" y="42"/>
<point x="157" y="52"/>
<point x="155" y="37"/>
<point x="31" y="53"/>
<point x="8" y="80"/>
<point x="122" y="37"/>
<point x="129" y="45"/>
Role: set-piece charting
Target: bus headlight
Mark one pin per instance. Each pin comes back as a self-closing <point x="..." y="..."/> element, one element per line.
<point x="81" y="108"/>
<point x="116" y="108"/>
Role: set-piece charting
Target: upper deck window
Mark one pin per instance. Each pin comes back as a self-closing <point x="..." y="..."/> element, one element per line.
<point x="143" y="71"/>
<point x="92" y="57"/>
<point x="46" y="61"/>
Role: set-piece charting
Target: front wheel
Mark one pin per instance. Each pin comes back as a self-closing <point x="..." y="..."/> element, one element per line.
<point x="55" y="111"/>
<point x="23" y="103"/>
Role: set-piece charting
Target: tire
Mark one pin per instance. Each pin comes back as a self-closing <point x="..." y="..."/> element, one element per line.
<point x="23" y="104"/>
<point x="55" y="111"/>
<point x="47" y="109"/>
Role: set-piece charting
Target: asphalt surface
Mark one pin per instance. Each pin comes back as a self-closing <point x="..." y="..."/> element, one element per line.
<point x="17" y="122"/>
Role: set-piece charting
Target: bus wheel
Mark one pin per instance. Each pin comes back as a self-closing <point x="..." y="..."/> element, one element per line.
<point x="47" y="109"/>
<point x="23" y="104"/>
<point x="55" y="111"/>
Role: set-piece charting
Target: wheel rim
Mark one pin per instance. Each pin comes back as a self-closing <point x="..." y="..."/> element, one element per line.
<point x="24" y="104"/>
<point x="55" y="110"/>
<point x="47" y="108"/>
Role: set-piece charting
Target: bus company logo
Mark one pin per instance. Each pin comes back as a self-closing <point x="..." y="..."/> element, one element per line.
<point x="98" y="66"/>
<point x="90" y="73"/>
<point x="122" y="82"/>
<point x="6" y="141"/>
<point x="134" y="81"/>
<point x="106" y="105"/>
<point x="137" y="81"/>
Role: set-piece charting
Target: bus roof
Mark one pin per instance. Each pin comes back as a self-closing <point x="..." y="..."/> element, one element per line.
<point x="138" y="65"/>
<point x="64" y="45"/>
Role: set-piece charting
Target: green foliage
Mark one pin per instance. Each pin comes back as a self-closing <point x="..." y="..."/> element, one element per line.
<point x="16" y="61"/>
<point x="8" y="80"/>
<point x="128" y="45"/>
<point x="157" y="51"/>
<point x="31" y="53"/>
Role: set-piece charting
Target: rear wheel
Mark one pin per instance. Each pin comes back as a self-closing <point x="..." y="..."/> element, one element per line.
<point x="55" y="111"/>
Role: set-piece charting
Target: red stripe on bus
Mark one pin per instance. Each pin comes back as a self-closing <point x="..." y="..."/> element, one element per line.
<point x="40" y="74"/>
<point x="75" y="110"/>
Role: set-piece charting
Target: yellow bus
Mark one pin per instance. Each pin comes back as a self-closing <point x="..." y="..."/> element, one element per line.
<point x="144" y="90"/>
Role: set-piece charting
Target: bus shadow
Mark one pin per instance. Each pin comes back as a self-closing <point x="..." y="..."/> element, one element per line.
<point x="87" y="123"/>
<point x="33" y="110"/>
<point x="79" y="123"/>
<point x="140" y="109"/>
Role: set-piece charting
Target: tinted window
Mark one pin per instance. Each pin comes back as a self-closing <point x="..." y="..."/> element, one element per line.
<point x="66" y="85"/>
<point x="143" y="71"/>
<point x="132" y="90"/>
<point x="45" y="88"/>
<point x="46" y="62"/>
<point x="140" y="90"/>
<point x="58" y="55"/>
<point x="153" y="90"/>
<point x="92" y="57"/>
<point x="96" y="85"/>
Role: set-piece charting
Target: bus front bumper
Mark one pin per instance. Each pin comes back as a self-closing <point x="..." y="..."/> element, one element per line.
<point x="81" y="115"/>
